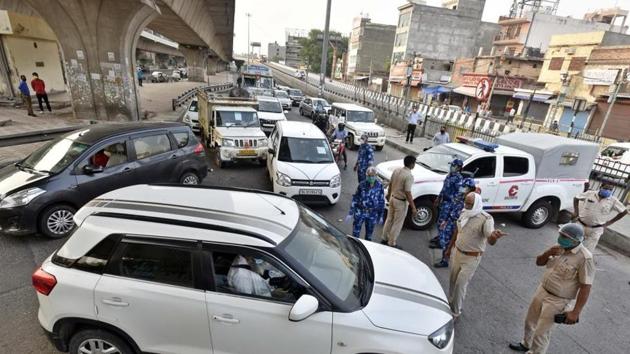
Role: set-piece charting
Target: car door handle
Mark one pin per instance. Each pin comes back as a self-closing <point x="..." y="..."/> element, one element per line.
<point x="126" y="170"/>
<point x="115" y="301"/>
<point x="492" y="184"/>
<point x="173" y="157"/>
<point x="226" y="319"/>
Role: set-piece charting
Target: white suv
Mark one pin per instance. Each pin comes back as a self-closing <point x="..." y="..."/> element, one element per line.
<point x="174" y="269"/>
<point x="301" y="164"/>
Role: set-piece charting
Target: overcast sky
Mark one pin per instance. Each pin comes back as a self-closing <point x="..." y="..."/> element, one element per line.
<point x="270" y="18"/>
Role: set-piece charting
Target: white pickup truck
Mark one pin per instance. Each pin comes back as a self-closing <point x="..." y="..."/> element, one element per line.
<point x="529" y="173"/>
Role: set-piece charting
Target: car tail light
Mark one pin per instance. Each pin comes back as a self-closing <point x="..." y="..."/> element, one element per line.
<point x="43" y="282"/>
<point x="199" y="149"/>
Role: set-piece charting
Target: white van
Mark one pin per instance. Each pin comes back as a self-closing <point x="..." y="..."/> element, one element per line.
<point x="301" y="164"/>
<point x="359" y="120"/>
<point x="269" y="113"/>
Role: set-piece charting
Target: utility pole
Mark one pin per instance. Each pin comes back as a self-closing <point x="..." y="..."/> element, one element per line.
<point x="620" y="79"/>
<point x="565" y="79"/>
<point x="529" y="102"/>
<point x="322" y="75"/>
<point x="248" y="42"/>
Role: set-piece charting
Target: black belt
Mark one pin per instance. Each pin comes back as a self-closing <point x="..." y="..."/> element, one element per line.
<point x="566" y="298"/>
<point x="589" y="226"/>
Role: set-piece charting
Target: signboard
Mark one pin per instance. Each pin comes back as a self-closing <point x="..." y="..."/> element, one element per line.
<point x="5" y="23"/>
<point x="483" y="89"/>
<point x="600" y="77"/>
<point x="255" y="44"/>
<point x="503" y="82"/>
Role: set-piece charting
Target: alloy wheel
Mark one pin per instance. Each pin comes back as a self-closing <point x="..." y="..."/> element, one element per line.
<point x="60" y="222"/>
<point x="97" y="346"/>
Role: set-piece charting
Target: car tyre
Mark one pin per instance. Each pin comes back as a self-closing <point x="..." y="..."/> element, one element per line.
<point x="97" y="341"/>
<point x="425" y="217"/>
<point x="538" y="214"/>
<point x="57" y="221"/>
<point x="189" y="178"/>
<point x="379" y="148"/>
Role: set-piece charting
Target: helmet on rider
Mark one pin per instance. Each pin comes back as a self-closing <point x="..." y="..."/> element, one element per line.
<point x="341" y="126"/>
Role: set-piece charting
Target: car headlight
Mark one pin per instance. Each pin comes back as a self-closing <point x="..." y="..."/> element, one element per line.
<point x="227" y="142"/>
<point x="359" y="133"/>
<point x="442" y="336"/>
<point x="262" y="142"/>
<point x="335" y="181"/>
<point x="283" y="179"/>
<point x="186" y="119"/>
<point x="21" y="198"/>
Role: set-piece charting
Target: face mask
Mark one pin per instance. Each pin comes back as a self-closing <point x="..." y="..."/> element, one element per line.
<point x="565" y="242"/>
<point x="371" y="179"/>
<point x="605" y="193"/>
<point x="442" y="131"/>
<point x="454" y="169"/>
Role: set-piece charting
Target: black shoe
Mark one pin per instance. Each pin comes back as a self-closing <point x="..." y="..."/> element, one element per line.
<point x="435" y="239"/>
<point x="383" y="242"/>
<point x="435" y="245"/>
<point x="519" y="347"/>
<point x="441" y="264"/>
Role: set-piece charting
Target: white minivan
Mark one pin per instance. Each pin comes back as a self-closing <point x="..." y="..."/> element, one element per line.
<point x="269" y="113"/>
<point x="301" y="164"/>
<point x="359" y="120"/>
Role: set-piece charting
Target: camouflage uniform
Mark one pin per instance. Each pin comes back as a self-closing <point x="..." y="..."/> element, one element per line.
<point x="449" y="206"/>
<point x="455" y="209"/>
<point x="368" y="205"/>
<point x="365" y="160"/>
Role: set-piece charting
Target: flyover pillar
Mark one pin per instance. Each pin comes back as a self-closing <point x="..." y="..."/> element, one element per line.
<point x="98" y="39"/>
<point x="197" y="62"/>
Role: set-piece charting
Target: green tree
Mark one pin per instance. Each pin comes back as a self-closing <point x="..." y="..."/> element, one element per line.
<point x="311" y="51"/>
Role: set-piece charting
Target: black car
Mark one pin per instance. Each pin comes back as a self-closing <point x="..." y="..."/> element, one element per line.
<point x="296" y="96"/>
<point x="42" y="192"/>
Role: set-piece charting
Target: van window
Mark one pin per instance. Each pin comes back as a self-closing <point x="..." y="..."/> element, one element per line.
<point x="483" y="167"/>
<point x="182" y="139"/>
<point x="157" y="263"/>
<point x="515" y="166"/>
<point x="152" y="145"/>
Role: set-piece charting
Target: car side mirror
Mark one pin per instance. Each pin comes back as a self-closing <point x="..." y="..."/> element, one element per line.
<point x="271" y="151"/>
<point x="303" y="308"/>
<point x="91" y="169"/>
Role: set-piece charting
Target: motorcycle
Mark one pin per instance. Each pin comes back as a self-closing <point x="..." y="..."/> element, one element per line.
<point x="321" y="121"/>
<point x="338" y="148"/>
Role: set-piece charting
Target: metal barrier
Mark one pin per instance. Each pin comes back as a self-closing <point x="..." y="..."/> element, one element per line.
<point x="614" y="172"/>
<point x="187" y="95"/>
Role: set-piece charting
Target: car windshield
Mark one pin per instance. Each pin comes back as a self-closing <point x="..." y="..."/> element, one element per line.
<point x="267" y="106"/>
<point x="340" y="265"/>
<point x="54" y="156"/>
<point x="437" y="159"/>
<point x="193" y="107"/>
<point x="321" y="103"/>
<point x="282" y="94"/>
<point x="304" y="150"/>
<point x="360" y="116"/>
<point x="236" y="119"/>
<point x="614" y="152"/>
<point x="294" y="92"/>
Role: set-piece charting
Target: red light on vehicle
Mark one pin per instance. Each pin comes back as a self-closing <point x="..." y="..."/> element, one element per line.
<point x="43" y="282"/>
<point x="199" y="149"/>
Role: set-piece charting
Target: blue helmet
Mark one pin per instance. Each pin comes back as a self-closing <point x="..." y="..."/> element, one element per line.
<point x="457" y="162"/>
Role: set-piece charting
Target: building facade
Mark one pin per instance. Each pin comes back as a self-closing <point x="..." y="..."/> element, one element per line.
<point x="293" y="47"/>
<point x="370" y="49"/>
<point x="276" y="52"/>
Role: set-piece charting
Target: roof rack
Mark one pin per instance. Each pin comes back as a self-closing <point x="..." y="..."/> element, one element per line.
<point x="478" y="142"/>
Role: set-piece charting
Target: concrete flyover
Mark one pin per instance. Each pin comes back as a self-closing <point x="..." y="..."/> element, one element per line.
<point x="98" y="39"/>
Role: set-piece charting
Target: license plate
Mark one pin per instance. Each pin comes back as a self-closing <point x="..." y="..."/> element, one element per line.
<point x="311" y="191"/>
<point x="247" y="152"/>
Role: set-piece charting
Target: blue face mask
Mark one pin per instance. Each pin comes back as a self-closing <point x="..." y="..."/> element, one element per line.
<point x="371" y="179"/>
<point x="565" y="242"/>
<point x="605" y="193"/>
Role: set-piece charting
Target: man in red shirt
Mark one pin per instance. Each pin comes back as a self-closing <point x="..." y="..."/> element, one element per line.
<point x="39" y="87"/>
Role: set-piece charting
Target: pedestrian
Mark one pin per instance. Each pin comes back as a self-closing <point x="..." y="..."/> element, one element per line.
<point x="554" y="126"/>
<point x="365" y="159"/>
<point x="412" y="123"/>
<point x="400" y="200"/>
<point x="595" y="211"/>
<point x="442" y="137"/>
<point x="448" y="225"/>
<point x="511" y="115"/>
<point x="568" y="275"/>
<point x="475" y="228"/>
<point x="340" y="133"/>
<point x="26" y="96"/>
<point x="140" y="75"/>
<point x="39" y="86"/>
<point x="368" y="205"/>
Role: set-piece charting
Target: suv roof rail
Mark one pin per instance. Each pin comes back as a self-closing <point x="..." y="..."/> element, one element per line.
<point x="214" y="187"/>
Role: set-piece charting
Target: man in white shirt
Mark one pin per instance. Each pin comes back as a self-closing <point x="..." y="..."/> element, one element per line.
<point x="413" y="120"/>
<point x="442" y="137"/>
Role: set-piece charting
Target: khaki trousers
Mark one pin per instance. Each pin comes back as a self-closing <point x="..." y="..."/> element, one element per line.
<point x="591" y="237"/>
<point x="539" y="321"/>
<point x="463" y="268"/>
<point x="395" y="219"/>
<point x="29" y="104"/>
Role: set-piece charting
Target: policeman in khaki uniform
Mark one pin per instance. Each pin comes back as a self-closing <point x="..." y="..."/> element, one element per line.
<point x="569" y="275"/>
<point x="400" y="200"/>
<point x="595" y="212"/>
<point x="475" y="228"/>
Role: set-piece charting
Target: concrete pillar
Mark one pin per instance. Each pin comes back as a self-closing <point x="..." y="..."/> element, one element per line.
<point x="196" y="60"/>
<point x="98" y="41"/>
<point x="214" y="65"/>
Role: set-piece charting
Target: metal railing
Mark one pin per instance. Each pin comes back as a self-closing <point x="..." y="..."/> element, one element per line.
<point x="614" y="172"/>
<point x="187" y="95"/>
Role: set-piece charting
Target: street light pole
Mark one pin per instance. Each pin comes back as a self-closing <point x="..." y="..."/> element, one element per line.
<point x="248" y="42"/>
<point x="322" y="75"/>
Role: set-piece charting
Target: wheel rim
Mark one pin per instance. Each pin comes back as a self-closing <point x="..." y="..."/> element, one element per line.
<point x="540" y="215"/>
<point x="98" y="346"/>
<point x="60" y="222"/>
<point x="423" y="217"/>
<point x="190" y="179"/>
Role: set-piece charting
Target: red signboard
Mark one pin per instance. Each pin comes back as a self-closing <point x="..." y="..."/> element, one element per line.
<point x="503" y="82"/>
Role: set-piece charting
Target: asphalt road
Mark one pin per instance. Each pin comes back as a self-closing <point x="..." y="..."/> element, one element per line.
<point x="493" y="312"/>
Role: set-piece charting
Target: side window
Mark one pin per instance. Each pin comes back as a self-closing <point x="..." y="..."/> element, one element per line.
<point x="182" y="139"/>
<point x="152" y="145"/>
<point x="515" y="166"/>
<point x="483" y="167"/>
<point x="96" y="259"/>
<point x="109" y="156"/>
<point x="158" y="263"/>
<point x="253" y="275"/>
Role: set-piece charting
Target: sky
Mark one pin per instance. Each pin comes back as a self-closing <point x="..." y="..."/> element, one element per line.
<point x="270" y="18"/>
